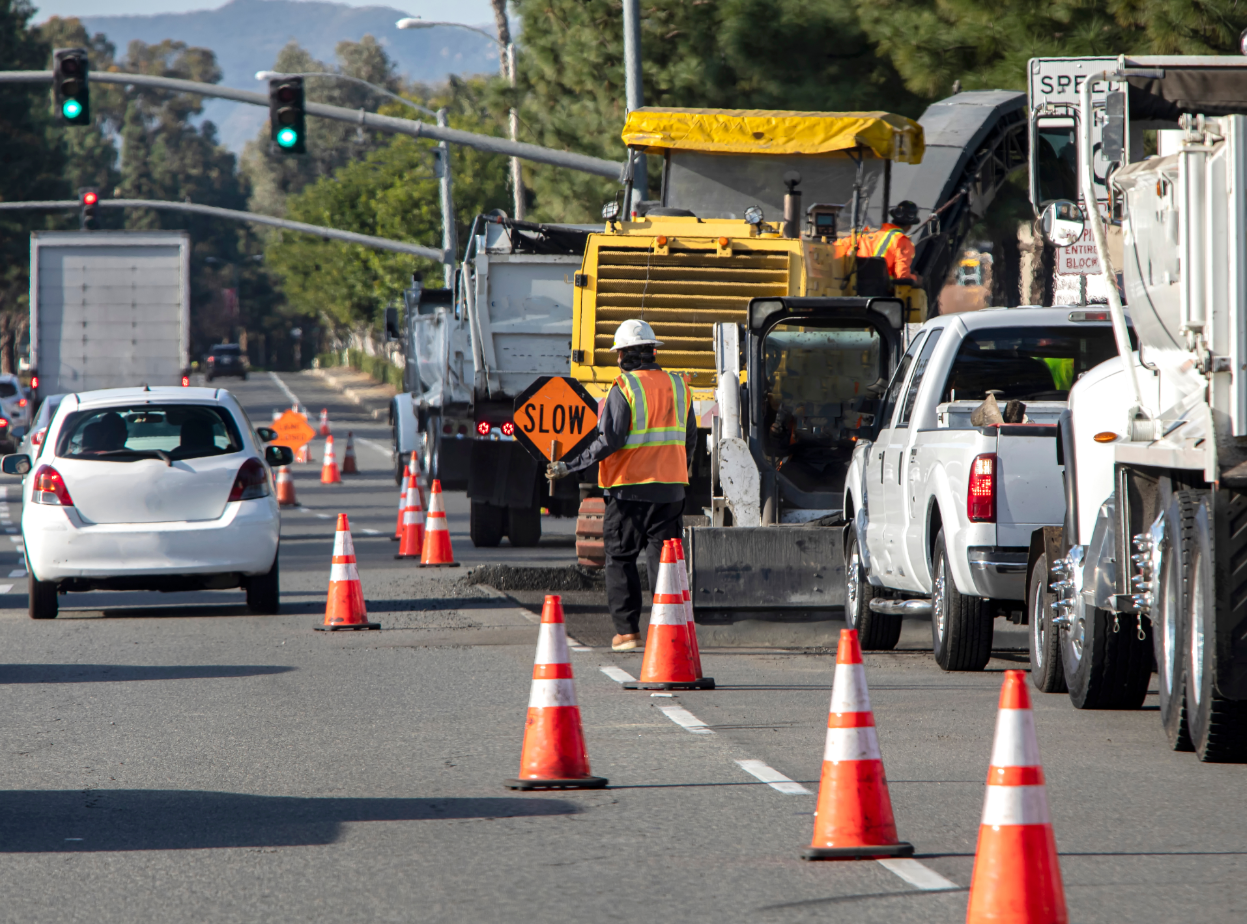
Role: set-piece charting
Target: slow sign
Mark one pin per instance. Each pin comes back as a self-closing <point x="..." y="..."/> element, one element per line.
<point x="293" y="430"/>
<point x="555" y="417"/>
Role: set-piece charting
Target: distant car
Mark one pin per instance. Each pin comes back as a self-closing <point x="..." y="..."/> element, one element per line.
<point x="160" y="488"/>
<point x="32" y="440"/>
<point x="14" y="403"/>
<point x="226" y="359"/>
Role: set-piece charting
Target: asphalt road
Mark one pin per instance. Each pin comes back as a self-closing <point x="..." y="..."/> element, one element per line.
<point x="171" y="758"/>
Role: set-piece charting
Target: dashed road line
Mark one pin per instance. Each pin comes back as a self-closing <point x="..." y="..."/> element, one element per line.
<point x="580" y="647"/>
<point x="773" y="778"/>
<point x="284" y="387"/>
<point x="371" y="532"/>
<point x="5" y="588"/>
<point x="374" y="445"/>
<point x="20" y="572"/>
<point x="685" y="719"/>
<point x="918" y="874"/>
<point x="619" y="676"/>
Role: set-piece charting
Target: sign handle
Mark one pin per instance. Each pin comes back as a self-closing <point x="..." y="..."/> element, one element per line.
<point x="556" y="450"/>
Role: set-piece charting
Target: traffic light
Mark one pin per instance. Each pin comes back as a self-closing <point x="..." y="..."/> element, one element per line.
<point x="285" y="115"/>
<point x="88" y="201"/>
<point x="69" y="84"/>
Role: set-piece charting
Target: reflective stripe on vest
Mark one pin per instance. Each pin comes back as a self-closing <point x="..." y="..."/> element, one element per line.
<point x="882" y="244"/>
<point x="654" y="450"/>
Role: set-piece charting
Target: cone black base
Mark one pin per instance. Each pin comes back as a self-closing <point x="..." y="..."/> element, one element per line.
<point x="705" y="683"/>
<point x="362" y="625"/>
<point x="588" y="782"/>
<point x="440" y="564"/>
<point x="395" y="538"/>
<point x="865" y="852"/>
<point x="405" y="556"/>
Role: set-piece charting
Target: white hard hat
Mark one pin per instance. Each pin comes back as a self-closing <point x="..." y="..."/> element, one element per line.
<point x="634" y="333"/>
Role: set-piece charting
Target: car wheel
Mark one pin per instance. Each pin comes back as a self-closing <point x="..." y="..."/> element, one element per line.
<point x="875" y="631"/>
<point x="1171" y="604"/>
<point x="485" y="524"/>
<point x="42" y="595"/>
<point x="1107" y="665"/>
<point x="524" y="526"/>
<point x="264" y="591"/>
<point x="1045" y="645"/>
<point x="961" y="625"/>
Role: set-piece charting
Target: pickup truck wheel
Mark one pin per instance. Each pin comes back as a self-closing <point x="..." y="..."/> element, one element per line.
<point x="875" y="631"/>
<point x="1045" y="645"/>
<point x="264" y="591"/>
<point x="1107" y="665"/>
<point x="485" y="524"/>
<point x="42" y="596"/>
<point x="1171" y="598"/>
<point x="961" y="625"/>
<point x="524" y="526"/>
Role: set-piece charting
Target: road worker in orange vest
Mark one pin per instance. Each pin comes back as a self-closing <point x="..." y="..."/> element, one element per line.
<point x="891" y="243"/>
<point x="646" y="434"/>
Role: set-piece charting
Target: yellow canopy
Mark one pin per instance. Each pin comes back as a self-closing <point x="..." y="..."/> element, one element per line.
<point x="759" y="131"/>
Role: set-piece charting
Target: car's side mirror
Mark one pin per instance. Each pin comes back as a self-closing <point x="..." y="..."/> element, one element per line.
<point x="276" y="456"/>
<point x="18" y="464"/>
<point x="267" y="434"/>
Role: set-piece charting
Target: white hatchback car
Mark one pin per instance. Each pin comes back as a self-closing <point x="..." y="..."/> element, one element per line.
<point x="150" y="489"/>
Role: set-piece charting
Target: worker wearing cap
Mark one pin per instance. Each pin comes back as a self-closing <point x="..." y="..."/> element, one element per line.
<point x="892" y="243"/>
<point x="646" y="435"/>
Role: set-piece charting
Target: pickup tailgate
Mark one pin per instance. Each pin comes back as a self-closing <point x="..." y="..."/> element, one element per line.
<point x="1030" y="492"/>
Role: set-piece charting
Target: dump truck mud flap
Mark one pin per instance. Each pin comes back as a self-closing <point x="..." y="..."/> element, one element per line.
<point x="773" y="586"/>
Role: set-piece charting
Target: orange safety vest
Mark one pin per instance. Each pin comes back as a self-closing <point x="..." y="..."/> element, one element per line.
<point x="654" y="451"/>
<point x="890" y="243"/>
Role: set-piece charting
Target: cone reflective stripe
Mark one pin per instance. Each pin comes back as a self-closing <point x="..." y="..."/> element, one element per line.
<point x="554" y="755"/>
<point x="329" y="469"/>
<point x="854" y="815"/>
<point x="344" y="608"/>
<point x="668" y="661"/>
<point x="1017" y="876"/>
<point x="276" y="415"/>
<point x="324" y="421"/>
<point x="437" y="552"/>
<point x="682" y="572"/>
<point x="348" y="458"/>
<point x="302" y="455"/>
<point x="412" y="539"/>
<point x="285" y="488"/>
<point x="409" y="474"/>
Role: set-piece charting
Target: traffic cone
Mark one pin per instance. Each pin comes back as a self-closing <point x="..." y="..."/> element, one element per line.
<point x="285" y="488"/>
<point x="276" y="415"/>
<point x="853" y="820"/>
<point x="345" y="607"/>
<point x="348" y="458"/>
<point x="412" y="543"/>
<point x="437" y="552"/>
<point x="1017" y="876"/>
<point x="554" y="755"/>
<point x="324" y="421"/>
<point x="681" y="570"/>
<point x="412" y="469"/>
<point x="668" y="662"/>
<point x="329" y="468"/>
<point x="301" y="454"/>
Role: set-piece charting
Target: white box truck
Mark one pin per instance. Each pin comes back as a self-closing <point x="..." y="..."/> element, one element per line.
<point x="108" y="309"/>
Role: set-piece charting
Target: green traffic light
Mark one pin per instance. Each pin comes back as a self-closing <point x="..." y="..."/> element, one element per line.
<point x="71" y="109"/>
<point x="287" y="137"/>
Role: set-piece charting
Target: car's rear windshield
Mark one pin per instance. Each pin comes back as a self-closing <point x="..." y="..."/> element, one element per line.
<point x="1026" y="363"/>
<point x="7" y="389"/>
<point x="231" y="350"/>
<point x="165" y="431"/>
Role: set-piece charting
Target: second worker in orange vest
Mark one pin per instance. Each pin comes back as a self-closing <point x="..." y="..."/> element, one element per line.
<point x="646" y="435"/>
<point x="892" y="243"/>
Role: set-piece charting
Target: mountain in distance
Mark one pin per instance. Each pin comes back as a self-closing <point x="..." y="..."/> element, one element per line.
<point x="246" y="36"/>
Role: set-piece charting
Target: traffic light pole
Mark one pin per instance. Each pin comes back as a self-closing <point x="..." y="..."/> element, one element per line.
<point x="411" y="127"/>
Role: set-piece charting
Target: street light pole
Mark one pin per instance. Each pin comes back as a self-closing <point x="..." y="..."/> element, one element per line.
<point x="634" y="92"/>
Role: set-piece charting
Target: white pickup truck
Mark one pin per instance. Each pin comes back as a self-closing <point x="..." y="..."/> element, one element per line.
<point x="941" y="508"/>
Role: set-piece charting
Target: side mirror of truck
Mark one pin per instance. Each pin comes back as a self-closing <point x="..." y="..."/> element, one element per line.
<point x="267" y="434"/>
<point x="18" y="464"/>
<point x="1062" y="223"/>
<point x="277" y="456"/>
<point x="391" y="325"/>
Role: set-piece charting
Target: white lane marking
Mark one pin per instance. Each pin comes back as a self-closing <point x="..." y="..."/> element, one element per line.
<point x="285" y="388"/>
<point x="323" y="516"/>
<point x="375" y="446"/>
<point x="773" y="778"/>
<point x="371" y="532"/>
<point x="20" y="572"/>
<point x="580" y="648"/>
<point x="685" y="719"/>
<point x="619" y="676"/>
<point x="10" y="529"/>
<point x="16" y="540"/>
<point x="5" y="588"/>
<point x="664" y="695"/>
<point x="917" y="874"/>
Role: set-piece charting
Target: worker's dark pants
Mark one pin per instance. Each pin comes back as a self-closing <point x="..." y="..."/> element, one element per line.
<point x="629" y="528"/>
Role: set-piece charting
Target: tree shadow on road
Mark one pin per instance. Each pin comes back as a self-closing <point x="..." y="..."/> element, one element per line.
<point x="114" y="673"/>
<point x="60" y="821"/>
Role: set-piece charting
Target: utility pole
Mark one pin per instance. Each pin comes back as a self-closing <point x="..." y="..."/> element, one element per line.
<point x="506" y="62"/>
<point x="450" y="244"/>
<point x="634" y="93"/>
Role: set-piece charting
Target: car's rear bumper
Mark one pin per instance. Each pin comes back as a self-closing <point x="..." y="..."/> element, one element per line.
<point x="59" y="545"/>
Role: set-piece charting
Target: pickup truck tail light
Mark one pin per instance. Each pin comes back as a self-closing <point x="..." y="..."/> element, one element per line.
<point x="252" y="482"/>
<point x="50" y="488"/>
<point x="981" y="495"/>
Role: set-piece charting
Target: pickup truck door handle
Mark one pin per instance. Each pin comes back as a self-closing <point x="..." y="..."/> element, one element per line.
<point x="913" y="453"/>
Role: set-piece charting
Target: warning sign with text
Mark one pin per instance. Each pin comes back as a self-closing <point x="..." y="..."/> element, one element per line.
<point x="555" y="418"/>
<point x="1080" y="258"/>
<point x="293" y="430"/>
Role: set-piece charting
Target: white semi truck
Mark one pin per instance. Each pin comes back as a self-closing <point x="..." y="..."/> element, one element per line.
<point x="108" y="309"/>
<point x="1149" y="569"/>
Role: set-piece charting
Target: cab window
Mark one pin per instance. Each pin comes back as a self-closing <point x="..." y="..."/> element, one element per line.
<point x="920" y="369"/>
<point x="893" y="394"/>
<point x="1026" y="363"/>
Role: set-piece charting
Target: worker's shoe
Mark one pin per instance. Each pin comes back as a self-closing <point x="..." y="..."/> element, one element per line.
<point x="625" y="642"/>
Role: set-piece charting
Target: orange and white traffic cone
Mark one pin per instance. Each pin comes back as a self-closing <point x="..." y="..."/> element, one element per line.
<point x="411" y="545"/>
<point x="302" y="455"/>
<point x="681" y="570"/>
<point x="348" y="458"/>
<point x="285" y="488"/>
<point x="1017" y="876"/>
<point x="853" y="820"/>
<point x="329" y="468"/>
<point x="668" y="662"/>
<point x="437" y="552"/>
<point x="324" y="421"/>
<point x="554" y="755"/>
<point x="345" y="607"/>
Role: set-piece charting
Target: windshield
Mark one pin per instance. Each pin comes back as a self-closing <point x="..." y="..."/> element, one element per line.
<point x="165" y="431"/>
<point x="1027" y="363"/>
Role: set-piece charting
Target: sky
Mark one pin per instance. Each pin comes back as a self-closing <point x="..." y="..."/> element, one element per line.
<point x="468" y="11"/>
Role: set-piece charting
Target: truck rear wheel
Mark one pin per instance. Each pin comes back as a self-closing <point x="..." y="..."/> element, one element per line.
<point x="961" y="625"/>
<point x="1107" y="665"/>
<point x="1171" y="603"/>
<point x="1047" y="674"/>
<point x="485" y="524"/>
<point x="875" y="631"/>
<point x="524" y="526"/>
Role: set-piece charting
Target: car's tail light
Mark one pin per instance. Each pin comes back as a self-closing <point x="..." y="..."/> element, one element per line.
<point x="36" y="438"/>
<point x="482" y="428"/>
<point x="252" y="482"/>
<point x="3" y="423"/>
<point x="981" y="495"/>
<point x="508" y="428"/>
<point x="211" y="359"/>
<point x="186" y="380"/>
<point x="21" y="403"/>
<point x="463" y="430"/>
<point x="34" y="381"/>
<point x="50" y="488"/>
<point x="447" y="428"/>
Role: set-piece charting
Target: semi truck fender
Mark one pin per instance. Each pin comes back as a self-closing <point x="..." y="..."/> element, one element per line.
<point x="403" y="420"/>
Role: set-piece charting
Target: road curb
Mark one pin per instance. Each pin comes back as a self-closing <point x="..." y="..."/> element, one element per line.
<point x="374" y="398"/>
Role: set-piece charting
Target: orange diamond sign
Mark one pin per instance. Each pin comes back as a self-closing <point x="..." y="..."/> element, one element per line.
<point x="555" y="418"/>
<point x="293" y="430"/>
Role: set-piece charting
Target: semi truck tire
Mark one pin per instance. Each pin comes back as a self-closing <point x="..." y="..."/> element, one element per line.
<point x="1107" y="665"/>
<point x="1171" y="603"/>
<point x="432" y="445"/>
<point x="875" y="631"/>
<point x="485" y="524"/>
<point x="1047" y="674"/>
<point x="524" y="526"/>
<point x="961" y="625"/>
<point x="1218" y="726"/>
